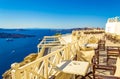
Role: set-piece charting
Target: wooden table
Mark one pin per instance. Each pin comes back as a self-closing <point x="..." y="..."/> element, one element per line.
<point x="74" y="67"/>
<point x="92" y="45"/>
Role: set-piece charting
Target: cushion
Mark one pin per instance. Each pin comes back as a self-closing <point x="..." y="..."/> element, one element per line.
<point x="85" y="55"/>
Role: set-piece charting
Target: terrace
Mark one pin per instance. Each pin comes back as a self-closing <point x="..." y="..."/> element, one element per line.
<point x="84" y="57"/>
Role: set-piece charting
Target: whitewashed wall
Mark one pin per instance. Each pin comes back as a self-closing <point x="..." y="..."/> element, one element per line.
<point x="113" y="27"/>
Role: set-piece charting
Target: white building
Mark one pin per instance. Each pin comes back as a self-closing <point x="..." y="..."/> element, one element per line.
<point x="113" y="25"/>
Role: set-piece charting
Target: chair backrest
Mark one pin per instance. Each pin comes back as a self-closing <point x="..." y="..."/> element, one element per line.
<point x="85" y="55"/>
<point x="117" y="72"/>
<point x="113" y="48"/>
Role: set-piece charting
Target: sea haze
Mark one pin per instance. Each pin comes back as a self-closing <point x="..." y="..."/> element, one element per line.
<point x="16" y="49"/>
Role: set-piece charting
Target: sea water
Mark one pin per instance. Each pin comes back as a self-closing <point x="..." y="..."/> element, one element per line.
<point x="18" y="48"/>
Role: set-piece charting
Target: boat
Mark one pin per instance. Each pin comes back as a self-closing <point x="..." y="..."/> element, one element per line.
<point x="13" y="51"/>
<point x="9" y="39"/>
<point x="39" y="39"/>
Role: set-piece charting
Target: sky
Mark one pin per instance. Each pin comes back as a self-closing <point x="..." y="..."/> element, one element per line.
<point x="57" y="13"/>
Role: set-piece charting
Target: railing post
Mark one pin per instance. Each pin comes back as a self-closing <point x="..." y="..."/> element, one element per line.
<point x="68" y="52"/>
<point x="27" y="74"/>
<point x="65" y="54"/>
<point x="46" y="69"/>
<point x="15" y="72"/>
<point x="38" y="49"/>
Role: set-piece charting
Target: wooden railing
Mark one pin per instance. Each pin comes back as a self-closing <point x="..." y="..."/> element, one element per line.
<point x="85" y="35"/>
<point x="49" y="41"/>
<point x="44" y="67"/>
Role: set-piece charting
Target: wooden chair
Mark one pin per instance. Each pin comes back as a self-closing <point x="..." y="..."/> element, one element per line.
<point x="87" y="55"/>
<point x="112" y="53"/>
<point x="114" y="74"/>
<point x="101" y="45"/>
<point x="96" y="56"/>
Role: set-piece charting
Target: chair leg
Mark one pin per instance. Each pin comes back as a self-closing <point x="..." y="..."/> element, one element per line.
<point x="90" y="77"/>
<point x="87" y="75"/>
<point x="83" y="77"/>
<point x="52" y="77"/>
<point x="107" y="60"/>
<point x="93" y="71"/>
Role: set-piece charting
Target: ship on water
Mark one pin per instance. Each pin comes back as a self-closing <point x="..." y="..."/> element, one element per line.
<point x="9" y="39"/>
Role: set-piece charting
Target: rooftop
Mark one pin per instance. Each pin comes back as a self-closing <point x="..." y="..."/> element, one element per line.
<point x="115" y="19"/>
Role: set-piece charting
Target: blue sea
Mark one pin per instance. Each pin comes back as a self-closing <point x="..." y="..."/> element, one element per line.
<point x="16" y="50"/>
